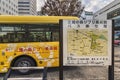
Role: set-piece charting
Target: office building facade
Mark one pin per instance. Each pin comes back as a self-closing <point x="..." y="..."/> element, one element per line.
<point x="111" y="12"/>
<point x="27" y="7"/>
<point x="8" y="7"/>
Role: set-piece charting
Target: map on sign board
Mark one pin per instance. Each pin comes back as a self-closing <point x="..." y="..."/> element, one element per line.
<point x="87" y="43"/>
<point x="84" y="42"/>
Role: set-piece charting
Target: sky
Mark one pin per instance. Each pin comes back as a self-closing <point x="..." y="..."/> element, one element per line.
<point x="90" y="5"/>
<point x="95" y="5"/>
<point x="40" y="3"/>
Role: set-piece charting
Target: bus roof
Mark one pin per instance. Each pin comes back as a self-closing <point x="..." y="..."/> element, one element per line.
<point x="34" y="19"/>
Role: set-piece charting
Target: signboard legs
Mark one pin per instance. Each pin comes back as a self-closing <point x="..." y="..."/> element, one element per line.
<point x="111" y="68"/>
<point x="61" y="51"/>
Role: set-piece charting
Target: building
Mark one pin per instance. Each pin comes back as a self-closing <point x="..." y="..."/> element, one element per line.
<point x="8" y="7"/>
<point x="27" y="7"/>
<point x="108" y="12"/>
<point x="88" y="15"/>
<point x="111" y="11"/>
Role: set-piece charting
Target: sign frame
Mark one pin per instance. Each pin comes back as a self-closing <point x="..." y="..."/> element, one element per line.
<point x="110" y="67"/>
<point x="87" y="42"/>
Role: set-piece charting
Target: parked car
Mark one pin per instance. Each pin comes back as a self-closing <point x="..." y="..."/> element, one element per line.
<point x="117" y="35"/>
<point x="116" y="42"/>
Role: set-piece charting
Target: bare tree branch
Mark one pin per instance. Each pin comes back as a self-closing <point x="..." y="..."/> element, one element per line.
<point x="62" y="8"/>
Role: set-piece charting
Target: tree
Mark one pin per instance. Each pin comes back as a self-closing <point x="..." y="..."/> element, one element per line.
<point x="62" y="8"/>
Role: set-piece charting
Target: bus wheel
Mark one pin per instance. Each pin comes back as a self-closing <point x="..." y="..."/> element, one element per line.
<point x="24" y="62"/>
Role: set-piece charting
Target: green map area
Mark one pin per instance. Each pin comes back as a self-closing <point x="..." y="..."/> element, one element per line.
<point x="87" y="42"/>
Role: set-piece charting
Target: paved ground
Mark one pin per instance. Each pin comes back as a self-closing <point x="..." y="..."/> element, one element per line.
<point x="80" y="73"/>
<point x="117" y="63"/>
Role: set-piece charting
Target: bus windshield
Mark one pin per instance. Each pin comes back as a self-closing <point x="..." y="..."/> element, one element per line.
<point x="12" y="33"/>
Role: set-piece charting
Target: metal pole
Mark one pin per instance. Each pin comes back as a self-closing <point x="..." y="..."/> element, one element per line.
<point x="45" y="74"/>
<point x="61" y="50"/>
<point x="7" y="75"/>
<point x="111" y="68"/>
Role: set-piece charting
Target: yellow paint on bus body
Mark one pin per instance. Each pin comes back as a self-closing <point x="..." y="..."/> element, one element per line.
<point x="44" y="53"/>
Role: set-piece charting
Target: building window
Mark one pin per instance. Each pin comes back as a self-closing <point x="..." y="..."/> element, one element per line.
<point x="24" y="13"/>
<point x="6" y="5"/>
<point x="7" y="11"/>
<point x="9" y="7"/>
<point x="14" y="5"/>
<point x="9" y="1"/>
<point x="23" y="6"/>
<point x="3" y="9"/>
<point x="3" y="3"/>
<point x="12" y="9"/>
<point x="23" y="2"/>
<point x="23" y="9"/>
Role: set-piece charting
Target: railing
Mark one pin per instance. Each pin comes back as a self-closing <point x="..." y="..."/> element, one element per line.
<point x="7" y="76"/>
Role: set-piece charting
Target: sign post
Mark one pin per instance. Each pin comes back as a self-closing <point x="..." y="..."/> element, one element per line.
<point x="111" y="67"/>
<point x="61" y="50"/>
<point x="85" y="43"/>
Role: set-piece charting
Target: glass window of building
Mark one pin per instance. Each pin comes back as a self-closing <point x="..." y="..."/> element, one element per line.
<point x="3" y="3"/>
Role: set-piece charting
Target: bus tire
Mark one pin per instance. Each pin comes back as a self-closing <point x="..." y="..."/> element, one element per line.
<point x="24" y="62"/>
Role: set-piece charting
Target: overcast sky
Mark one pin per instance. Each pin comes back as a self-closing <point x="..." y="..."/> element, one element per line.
<point x="90" y="5"/>
<point x="94" y="5"/>
<point x="39" y="4"/>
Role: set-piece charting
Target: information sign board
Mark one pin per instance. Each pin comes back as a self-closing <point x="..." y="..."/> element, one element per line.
<point x="87" y="42"/>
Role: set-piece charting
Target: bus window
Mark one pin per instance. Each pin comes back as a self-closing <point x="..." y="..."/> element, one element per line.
<point x="28" y="33"/>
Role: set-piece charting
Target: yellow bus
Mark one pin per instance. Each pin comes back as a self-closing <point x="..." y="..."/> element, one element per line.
<point x="27" y="41"/>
